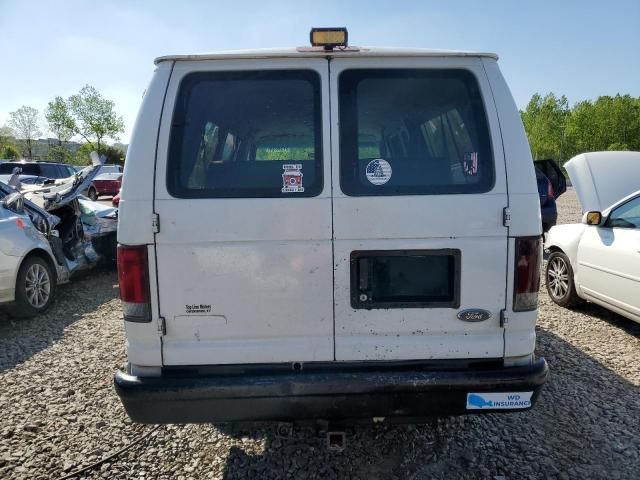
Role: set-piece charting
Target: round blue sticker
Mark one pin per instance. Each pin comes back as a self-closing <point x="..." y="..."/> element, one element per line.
<point x="378" y="171"/>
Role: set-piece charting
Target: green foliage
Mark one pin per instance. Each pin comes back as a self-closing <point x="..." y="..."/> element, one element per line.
<point x="81" y="156"/>
<point x="556" y="131"/>
<point x="89" y="115"/>
<point x="60" y="154"/>
<point x="123" y="147"/>
<point x="112" y="154"/>
<point x="24" y="123"/>
<point x="6" y="139"/>
<point x="285" y="153"/>
<point x="368" y="151"/>
<point x="60" y="121"/>
<point x="543" y="120"/>
<point x="5" y="134"/>
<point x="617" y="147"/>
<point x="9" y="152"/>
<point x="8" y="149"/>
<point x="95" y="117"/>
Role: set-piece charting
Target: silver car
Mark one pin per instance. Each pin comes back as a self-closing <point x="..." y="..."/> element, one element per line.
<point x="28" y="273"/>
<point x="48" y="233"/>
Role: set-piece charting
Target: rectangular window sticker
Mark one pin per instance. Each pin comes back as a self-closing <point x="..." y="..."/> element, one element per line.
<point x="292" y="178"/>
<point x="498" y="401"/>
<point x="470" y="164"/>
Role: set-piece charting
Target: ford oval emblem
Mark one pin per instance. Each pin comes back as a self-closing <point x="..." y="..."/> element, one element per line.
<point x="474" y="315"/>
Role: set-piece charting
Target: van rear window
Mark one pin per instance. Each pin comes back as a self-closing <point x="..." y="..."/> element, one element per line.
<point x="252" y="134"/>
<point x="412" y="132"/>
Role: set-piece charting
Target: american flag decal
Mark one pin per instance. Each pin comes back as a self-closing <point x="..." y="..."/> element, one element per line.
<point x="378" y="171"/>
<point x="470" y="164"/>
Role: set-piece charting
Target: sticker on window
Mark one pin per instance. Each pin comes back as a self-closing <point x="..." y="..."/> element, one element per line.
<point x="292" y="178"/>
<point x="470" y="164"/>
<point x="378" y="171"/>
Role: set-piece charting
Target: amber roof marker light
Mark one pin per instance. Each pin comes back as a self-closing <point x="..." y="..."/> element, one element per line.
<point x="329" y="38"/>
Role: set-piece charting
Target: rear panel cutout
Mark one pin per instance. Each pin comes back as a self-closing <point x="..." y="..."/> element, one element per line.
<point x="405" y="279"/>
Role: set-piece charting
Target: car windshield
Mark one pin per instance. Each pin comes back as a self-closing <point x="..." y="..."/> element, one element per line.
<point x="109" y="169"/>
<point x="27" y="168"/>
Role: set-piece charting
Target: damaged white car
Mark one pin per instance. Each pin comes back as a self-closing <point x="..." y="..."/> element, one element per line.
<point x="598" y="260"/>
<point x="48" y="233"/>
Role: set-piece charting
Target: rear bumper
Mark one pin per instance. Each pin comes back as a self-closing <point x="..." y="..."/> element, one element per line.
<point x="347" y="393"/>
<point x="107" y="187"/>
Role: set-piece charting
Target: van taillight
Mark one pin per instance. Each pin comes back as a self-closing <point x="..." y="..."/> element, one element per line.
<point x="133" y="276"/>
<point x="527" y="274"/>
<point x="550" y="192"/>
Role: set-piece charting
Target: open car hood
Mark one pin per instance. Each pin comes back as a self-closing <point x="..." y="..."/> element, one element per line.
<point x="60" y="192"/>
<point x="603" y="178"/>
<point x="52" y="220"/>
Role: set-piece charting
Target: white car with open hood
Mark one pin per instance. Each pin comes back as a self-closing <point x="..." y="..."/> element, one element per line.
<point x="328" y="233"/>
<point x="599" y="259"/>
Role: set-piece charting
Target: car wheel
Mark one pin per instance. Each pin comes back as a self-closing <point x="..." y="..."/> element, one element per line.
<point x="559" y="278"/>
<point x="92" y="194"/>
<point x="35" y="286"/>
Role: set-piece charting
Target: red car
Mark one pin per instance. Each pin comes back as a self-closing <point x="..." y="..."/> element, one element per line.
<point x="107" y="182"/>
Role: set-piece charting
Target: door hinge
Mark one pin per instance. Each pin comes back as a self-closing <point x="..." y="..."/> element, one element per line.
<point x="504" y="319"/>
<point x="155" y="223"/>
<point x="506" y="216"/>
<point x="162" y="326"/>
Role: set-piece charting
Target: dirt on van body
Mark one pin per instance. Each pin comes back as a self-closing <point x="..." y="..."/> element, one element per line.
<point x="59" y="412"/>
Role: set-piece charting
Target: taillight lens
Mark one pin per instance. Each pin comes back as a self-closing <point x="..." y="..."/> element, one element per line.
<point x="550" y="192"/>
<point x="527" y="273"/>
<point x="133" y="277"/>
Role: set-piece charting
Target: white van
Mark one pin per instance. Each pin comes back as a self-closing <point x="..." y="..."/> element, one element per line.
<point x="328" y="232"/>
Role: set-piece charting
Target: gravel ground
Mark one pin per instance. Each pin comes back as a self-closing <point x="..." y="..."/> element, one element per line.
<point x="58" y="410"/>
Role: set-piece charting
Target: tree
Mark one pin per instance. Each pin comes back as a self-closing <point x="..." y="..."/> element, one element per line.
<point x="608" y="123"/>
<point x="60" y="121"/>
<point x="123" y="147"/>
<point x="544" y="121"/>
<point x="6" y="137"/>
<point x="8" y="149"/>
<point x="95" y="118"/>
<point x="59" y="154"/>
<point x="24" y="123"/>
<point x="582" y="129"/>
<point x="9" y="152"/>
<point x="112" y="154"/>
<point x="557" y="131"/>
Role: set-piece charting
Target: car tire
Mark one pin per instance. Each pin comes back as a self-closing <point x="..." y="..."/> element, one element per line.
<point x="92" y="194"/>
<point x="559" y="279"/>
<point x="35" y="287"/>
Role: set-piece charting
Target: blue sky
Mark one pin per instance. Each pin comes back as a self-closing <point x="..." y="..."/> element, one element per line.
<point x="582" y="49"/>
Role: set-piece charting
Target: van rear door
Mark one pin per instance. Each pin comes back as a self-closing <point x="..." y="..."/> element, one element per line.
<point x="419" y="190"/>
<point x="242" y="190"/>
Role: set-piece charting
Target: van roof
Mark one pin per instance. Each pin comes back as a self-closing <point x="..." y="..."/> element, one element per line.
<point x="320" y="52"/>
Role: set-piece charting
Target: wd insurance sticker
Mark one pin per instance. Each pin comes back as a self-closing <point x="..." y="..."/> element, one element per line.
<point x="494" y="401"/>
